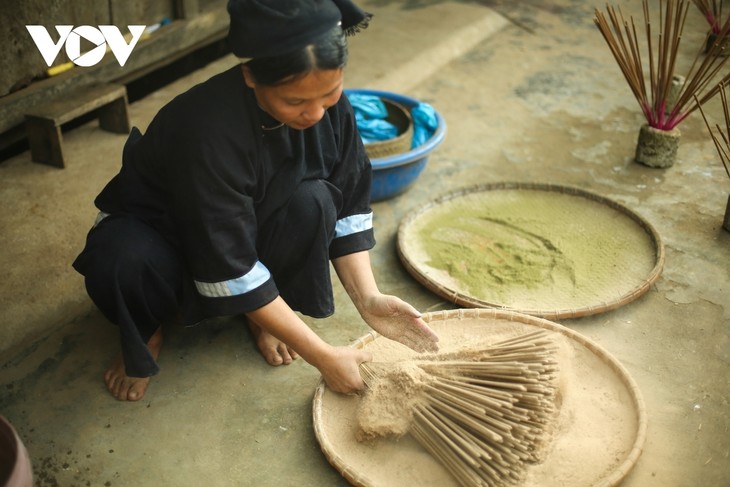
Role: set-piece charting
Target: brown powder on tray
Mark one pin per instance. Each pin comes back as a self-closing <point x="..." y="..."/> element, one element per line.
<point x="386" y="410"/>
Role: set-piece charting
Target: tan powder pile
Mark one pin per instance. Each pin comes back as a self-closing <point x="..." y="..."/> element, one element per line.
<point x="387" y="408"/>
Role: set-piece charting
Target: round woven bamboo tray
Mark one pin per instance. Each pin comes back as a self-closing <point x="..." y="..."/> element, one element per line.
<point x="600" y="428"/>
<point x="399" y="116"/>
<point x="541" y="249"/>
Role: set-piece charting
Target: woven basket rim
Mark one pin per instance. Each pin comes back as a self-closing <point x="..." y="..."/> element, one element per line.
<point x="612" y="479"/>
<point x="396" y="145"/>
<point x="461" y="299"/>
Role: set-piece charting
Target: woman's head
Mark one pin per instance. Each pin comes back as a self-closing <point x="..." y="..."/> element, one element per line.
<point x="302" y="33"/>
<point x="294" y="53"/>
<point x="328" y="52"/>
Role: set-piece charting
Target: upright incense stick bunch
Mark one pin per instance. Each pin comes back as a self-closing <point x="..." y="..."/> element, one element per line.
<point x="483" y="414"/>
<point x="623" y="40"/>
<point x="721" y="138"/>
<point x="721" y="135"/>
<point x="712" y="10"/>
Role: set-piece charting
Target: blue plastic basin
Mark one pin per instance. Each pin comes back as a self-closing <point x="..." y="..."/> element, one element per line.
<point x="394" y="174"/>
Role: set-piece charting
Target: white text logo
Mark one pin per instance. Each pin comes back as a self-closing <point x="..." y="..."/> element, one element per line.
<point x="71" y="37"/>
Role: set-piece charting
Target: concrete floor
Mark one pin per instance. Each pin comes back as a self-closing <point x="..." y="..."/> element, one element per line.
<point x="530" y="93"/>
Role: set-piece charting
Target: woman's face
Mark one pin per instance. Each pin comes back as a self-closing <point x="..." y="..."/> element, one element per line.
<point x="301" y="102"/>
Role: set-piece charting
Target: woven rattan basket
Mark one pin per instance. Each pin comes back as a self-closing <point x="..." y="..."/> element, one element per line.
<point x="596" y="391"/>
<point x="399" y="116"/>
<point x="630" y="271"/>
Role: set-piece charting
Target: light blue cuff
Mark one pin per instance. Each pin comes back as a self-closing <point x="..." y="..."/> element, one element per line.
<point x="254" y="278"/>
<point x="353" y="224"/>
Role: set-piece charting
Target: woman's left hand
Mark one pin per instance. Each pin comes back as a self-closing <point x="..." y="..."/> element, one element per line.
<point x="395" y="319"/>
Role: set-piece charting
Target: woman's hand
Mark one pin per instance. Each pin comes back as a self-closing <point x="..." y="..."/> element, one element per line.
<point x="388" y="315"/>
<point x="341" y="369"/>
<point x="395" y="319"/>
<point x="339" y="366"/>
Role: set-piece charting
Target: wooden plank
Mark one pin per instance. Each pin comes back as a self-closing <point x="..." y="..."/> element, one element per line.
<point x="43" y="124"/>
<point x="160" y="48"/>
<point x="79" y="102"/>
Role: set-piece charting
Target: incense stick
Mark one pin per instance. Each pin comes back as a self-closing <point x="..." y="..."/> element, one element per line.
<point x="623" y="41"/>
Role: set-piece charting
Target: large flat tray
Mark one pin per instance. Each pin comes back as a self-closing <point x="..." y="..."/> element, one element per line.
<point x="546" y="250"/>
<point x="598" y="436"/>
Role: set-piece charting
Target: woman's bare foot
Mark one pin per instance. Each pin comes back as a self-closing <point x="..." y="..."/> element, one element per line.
<point x="274" y="351"/>
<point x="126" y="388"/>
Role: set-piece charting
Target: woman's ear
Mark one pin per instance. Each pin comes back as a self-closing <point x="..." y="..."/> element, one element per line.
<point x="248" y="77"/>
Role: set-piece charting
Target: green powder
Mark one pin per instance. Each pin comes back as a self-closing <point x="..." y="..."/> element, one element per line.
<point x="485" y="253"/>
<point x="531" y="249"/>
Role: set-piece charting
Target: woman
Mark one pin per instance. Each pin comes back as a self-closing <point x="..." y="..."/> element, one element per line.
<point x="237" y="198"/>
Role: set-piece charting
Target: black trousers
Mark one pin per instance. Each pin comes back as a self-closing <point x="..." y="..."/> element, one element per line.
<point x="138" y="279"/>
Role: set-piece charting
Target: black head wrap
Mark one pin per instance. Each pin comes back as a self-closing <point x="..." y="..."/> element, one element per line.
<point x="267" y="28"/>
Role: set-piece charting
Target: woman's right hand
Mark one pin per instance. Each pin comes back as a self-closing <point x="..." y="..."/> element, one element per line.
<point x="340" y="369"/>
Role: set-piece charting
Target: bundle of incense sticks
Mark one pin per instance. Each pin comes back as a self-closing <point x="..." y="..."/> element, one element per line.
<point x="721" y="136"/>
<point x="622" y="39"/>
<point x="712" y="10"/>
<point x="483" y="413"/>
